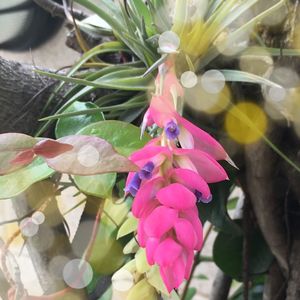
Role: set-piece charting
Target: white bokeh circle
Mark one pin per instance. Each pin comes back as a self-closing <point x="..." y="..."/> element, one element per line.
<point x="213" y="81"/>
<point x="168" y="42"/>
<point x="28" y="227"/>
<point x="88" y="156"/>
<point x="188" y="79"/>
<point x="122" y="280"/>
<point x="38" y="217"/>
<point x="77" y="273"/>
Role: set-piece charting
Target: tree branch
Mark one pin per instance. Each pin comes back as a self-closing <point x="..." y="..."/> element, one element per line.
<point x="57" y="10"/>
<point x="18" y="85"/>
<point x="266" y="189"/>
<point x="221" y="286"/>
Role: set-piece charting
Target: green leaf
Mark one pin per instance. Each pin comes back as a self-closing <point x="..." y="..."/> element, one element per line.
<point x="142" y="265"/>
<point x="127" y="227"/>
<point x="71" y="125"/>
<point x="216" y="211"/>
<point x="228" y="249"/>
<point x="142" y="290"/>
<point x="124" y="137"/>
<point x="255" y="292"/>
<point x="136" y="83"/>
<point x="241" y="76"/>
<point x="107" y="295"/>
<point x="154" y="278"/>
<point x="107" y="252"/>
<point x="190" y="293"/>
<point x="107" y="47"/>
<point x="17" y="182"/>
<point x="201" y="277"/>
<point x="96" y="185"/>
<point x="232" y="203"/>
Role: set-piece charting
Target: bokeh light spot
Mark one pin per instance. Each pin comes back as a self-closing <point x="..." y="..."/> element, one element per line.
<point x="56" y="266"/>
<point x="168" y="42"/>
<point x="188" y="79"/>
<point x="28" y="227"/>
<point x="77" y="273"/>
<point x="88" y="156"/>
<point x="246" y="122"/>
<point x="276" y="94"/>
<point x="213" y="81"/>
<point x="201" y="101"/>
<point x="38" y="217"/>
<point x="122" y="280"/>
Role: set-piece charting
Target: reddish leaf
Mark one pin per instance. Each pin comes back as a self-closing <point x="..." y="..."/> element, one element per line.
<point x="51" y="148"/>
<point x="23" y="158"/>
<point x="89" y="156"/>
<point x="13" y="151"/>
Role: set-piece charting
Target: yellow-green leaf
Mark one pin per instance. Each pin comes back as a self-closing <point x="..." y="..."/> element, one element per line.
<point x="127" y="227"/>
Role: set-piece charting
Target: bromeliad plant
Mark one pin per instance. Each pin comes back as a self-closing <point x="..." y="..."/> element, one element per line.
<point x="171" y="162"/>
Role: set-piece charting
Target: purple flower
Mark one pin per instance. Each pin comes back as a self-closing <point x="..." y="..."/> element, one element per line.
<point x="200" y="197"/>
<point x="134" y="185"/>
<point x="146" y="171"/>
<point x="172" y="130"/>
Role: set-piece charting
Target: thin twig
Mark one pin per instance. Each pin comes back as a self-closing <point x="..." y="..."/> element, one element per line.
<point x="57" y="10"/>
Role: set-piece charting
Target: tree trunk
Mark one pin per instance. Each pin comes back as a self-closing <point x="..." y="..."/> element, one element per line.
<point x="21" y="98"/>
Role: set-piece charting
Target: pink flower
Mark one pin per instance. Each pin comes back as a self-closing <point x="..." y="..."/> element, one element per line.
<point x="189" y="136"/>
<point x="166" y="189"/>
<point x="175" y="170"/>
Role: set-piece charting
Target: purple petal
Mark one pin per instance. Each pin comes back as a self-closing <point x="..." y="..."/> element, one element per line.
<point x="146" y="171"/>
<point x="171" y="130"/>
<point x="134" y="185"/>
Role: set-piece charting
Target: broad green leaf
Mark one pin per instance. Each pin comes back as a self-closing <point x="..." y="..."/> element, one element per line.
<point x="107" y="253"/>
<point x="190" y="293"/>
<point x="15" y="183"/>
<point x="216" y="211"/>
<point x="154" y="278"/>
<point x="131" y="247"/>
<point x="142" y="265"/>
<point x="71" y="125"/>
<point x="96" y="185"/>
<point x="11" y="146"/>
<point x="127" y="227"/>
<point x="142" y="290"/>
<point x="124" y="137"/>
<point x="228" y="252"/>
<point x="90" y="155"/>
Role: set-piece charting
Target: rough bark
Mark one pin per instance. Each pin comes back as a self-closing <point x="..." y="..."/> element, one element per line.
<point x="266" y="189"/>
<point x="20" y="96"/>
<point x="275" y="285"/>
